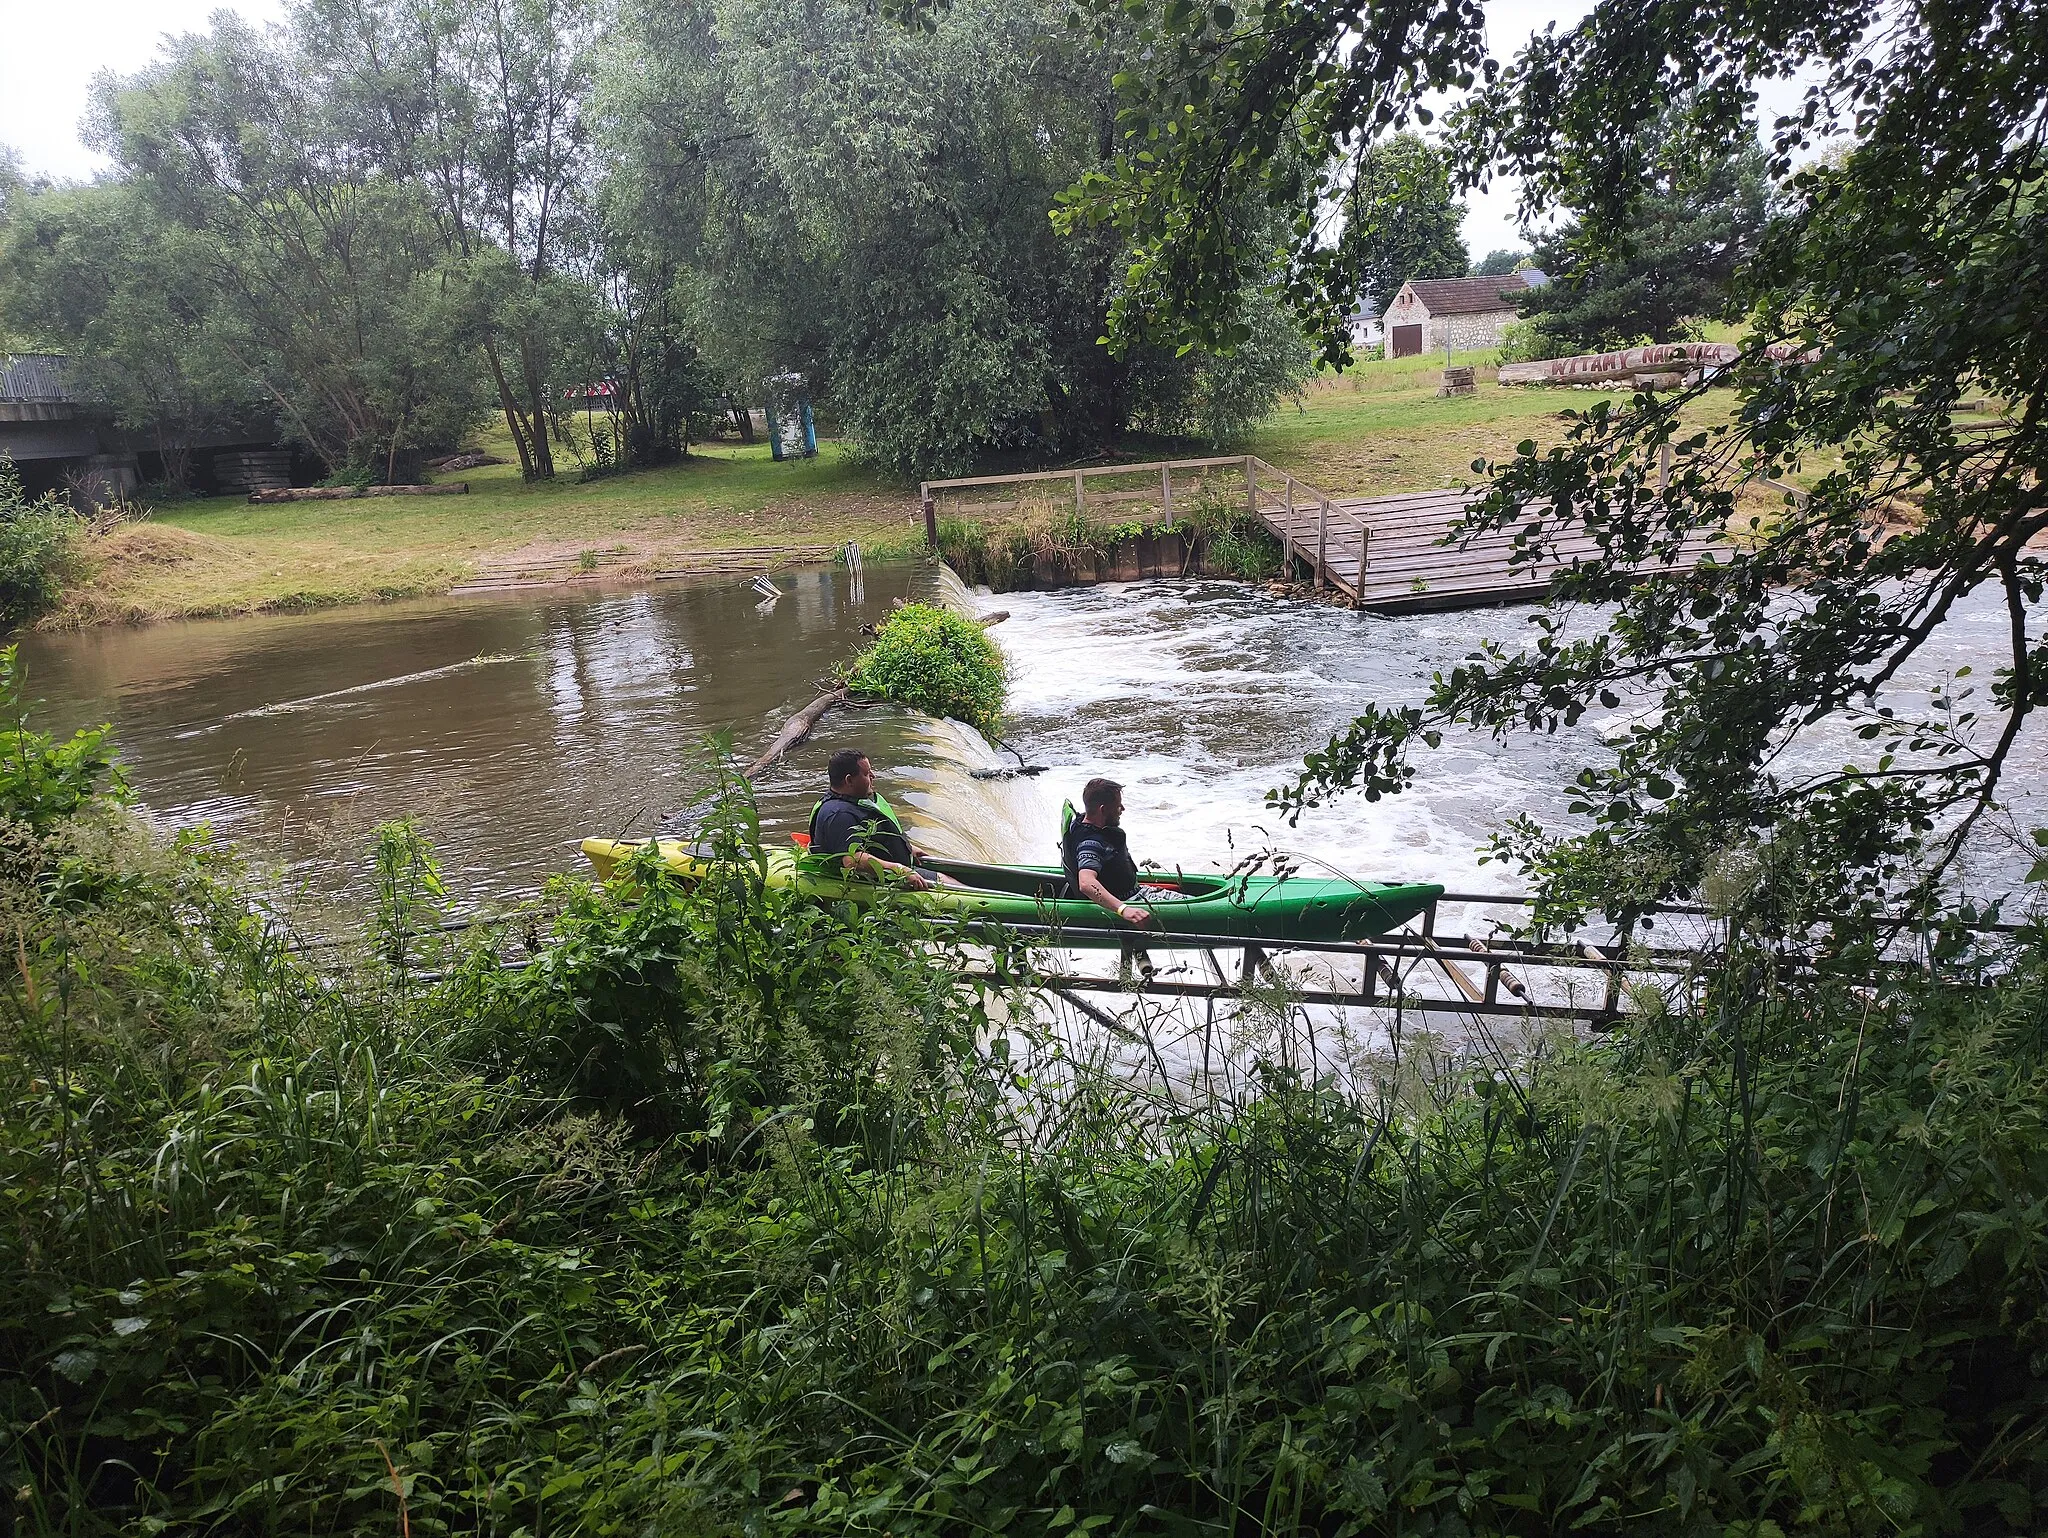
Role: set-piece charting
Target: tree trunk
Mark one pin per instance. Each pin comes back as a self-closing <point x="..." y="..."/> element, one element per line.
<point x="511" y="410"/>
<point x="537" y="408"/>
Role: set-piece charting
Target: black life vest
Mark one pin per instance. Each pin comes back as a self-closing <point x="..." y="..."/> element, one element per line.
<point x="1119" y="873"/>
<point x="883" y="837"/>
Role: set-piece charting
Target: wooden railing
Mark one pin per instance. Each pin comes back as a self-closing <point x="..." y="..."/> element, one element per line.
<point x="1298" y="493"/>
<point x="1273" y="496"/>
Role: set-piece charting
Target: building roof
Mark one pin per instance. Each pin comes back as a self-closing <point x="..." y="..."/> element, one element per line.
<point x="1466" y="296"/>
<point x="34" y="376"/>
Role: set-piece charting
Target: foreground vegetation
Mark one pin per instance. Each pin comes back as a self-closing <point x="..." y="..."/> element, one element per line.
<point x="719" y="1213"/>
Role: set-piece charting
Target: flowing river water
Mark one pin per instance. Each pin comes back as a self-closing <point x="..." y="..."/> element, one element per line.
<point x="512" y="725"/>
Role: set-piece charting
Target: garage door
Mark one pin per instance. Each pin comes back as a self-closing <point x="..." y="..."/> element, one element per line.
<point x="1407" y="341"/>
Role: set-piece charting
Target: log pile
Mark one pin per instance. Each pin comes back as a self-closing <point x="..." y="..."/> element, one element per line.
<point x="253" y="469"/>
<point x="350" y="493"/>
<point x="1642" y="367"/>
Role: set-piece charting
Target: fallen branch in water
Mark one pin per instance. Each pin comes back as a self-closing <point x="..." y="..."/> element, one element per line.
<point x="797" y="728"/>
<point x="805" y="721"/>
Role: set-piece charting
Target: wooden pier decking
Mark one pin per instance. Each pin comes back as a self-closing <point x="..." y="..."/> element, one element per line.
<point x="1408" y="569"/>
<point x="1384" y="554"/>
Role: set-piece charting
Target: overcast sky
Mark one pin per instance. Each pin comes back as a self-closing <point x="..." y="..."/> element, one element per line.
<point x="53" y="48"/>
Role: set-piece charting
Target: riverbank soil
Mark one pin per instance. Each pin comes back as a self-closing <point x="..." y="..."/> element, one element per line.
<point x="1377" y="429"/>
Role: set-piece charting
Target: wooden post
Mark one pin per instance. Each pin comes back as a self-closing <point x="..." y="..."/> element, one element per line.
<point x="1364" y="545"/>
<point x="1287" y="539"/>
<point x="1322" y="545"/>
<point x="1663" y="468"/>
<point x="1166" y="493"/>
<point x="931" y="516"/>
<point x="1080" y="498"/>
<point x="1251" y="486"/>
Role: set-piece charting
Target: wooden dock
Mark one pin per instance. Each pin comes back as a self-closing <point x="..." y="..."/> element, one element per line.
<point x="1384" y="554"/>
<point x="1408" y="567"/>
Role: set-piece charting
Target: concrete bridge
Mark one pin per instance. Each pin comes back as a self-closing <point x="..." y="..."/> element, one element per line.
<point x="62" y="440"/>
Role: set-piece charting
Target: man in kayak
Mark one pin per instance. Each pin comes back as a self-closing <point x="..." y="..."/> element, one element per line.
<point x="1098" y="860"/>
<point x="861" y="828"/>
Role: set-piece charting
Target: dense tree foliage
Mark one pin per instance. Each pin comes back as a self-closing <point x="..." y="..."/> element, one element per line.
<point x="695" y="1208"/>
<point x="478" y="105"/>
<point x="1399" y="218"/>
<point x="96" y="272"/>
<point x="1902" y="277"/>
<point x="1692" y="222"/>
<point x="294" y="270"/>
<point x="867" y="206"/>
<point x="382" y="214"/>
<point x="1498" y="264"/>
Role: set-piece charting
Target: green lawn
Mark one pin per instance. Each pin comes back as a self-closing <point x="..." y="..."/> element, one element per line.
<point x="1379" y="428"/>
<point x="222" y="556"/>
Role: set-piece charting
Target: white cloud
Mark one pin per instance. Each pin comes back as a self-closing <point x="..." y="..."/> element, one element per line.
<point x="53" y="48"/>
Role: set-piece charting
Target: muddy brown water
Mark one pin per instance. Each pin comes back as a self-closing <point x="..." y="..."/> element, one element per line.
<point x="513" y="725"/>
<point x="510" y="725"/>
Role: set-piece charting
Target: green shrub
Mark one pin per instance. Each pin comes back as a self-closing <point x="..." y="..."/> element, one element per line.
<point x="717" y="1212"/>
<point x="43" y="781"/>
<point x="1526" y="342"/>
<point x="39" y="549"/>
<point x="933" y="660"/>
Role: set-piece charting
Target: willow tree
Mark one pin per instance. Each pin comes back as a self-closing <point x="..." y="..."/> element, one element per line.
<point x="1902" y="277"/>
<point x="316" y="277"/>
<point x="869" y="205"/>
<point x="478" y="104"/>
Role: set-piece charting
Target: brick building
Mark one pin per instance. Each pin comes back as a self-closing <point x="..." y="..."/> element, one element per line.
<point x="1463" y="314"/>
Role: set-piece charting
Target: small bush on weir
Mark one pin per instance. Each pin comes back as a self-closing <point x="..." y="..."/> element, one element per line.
<point x="933" y="660"/>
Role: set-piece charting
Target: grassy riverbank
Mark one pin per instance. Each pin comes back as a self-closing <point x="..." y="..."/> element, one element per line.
<point x="722" y="1214"/>
<point x="1380" y="429"/>
<point x="222" y="556"/>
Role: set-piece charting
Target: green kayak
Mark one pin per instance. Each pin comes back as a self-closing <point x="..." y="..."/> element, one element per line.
<point x="1250" y="907"/>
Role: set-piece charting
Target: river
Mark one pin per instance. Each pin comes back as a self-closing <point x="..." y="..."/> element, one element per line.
<point x="513" y="725"/>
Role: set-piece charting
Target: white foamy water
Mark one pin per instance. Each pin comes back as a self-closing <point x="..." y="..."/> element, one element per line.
<point x="513" y="725"/>
<point x="1202" y="696"/>
<point x="1199" y="697"/>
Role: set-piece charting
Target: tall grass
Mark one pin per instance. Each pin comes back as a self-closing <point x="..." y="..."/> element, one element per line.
<point x="723" y="1213"/>
<point x="1053" y="544"/>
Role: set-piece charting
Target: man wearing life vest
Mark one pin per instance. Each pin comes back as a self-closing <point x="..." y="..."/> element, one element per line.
<point x="1097" y="857"/>
<point x="861" y="828"/>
